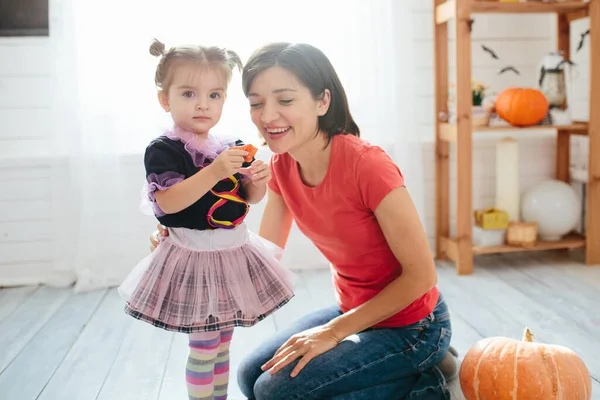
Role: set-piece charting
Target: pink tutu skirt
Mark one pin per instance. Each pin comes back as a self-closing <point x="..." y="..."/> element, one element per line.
<point x="207" y="280"/>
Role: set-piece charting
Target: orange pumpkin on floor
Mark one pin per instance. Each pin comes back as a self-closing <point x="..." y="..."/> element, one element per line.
<point x="522" y="106"/>
<point x="500" y="368"/>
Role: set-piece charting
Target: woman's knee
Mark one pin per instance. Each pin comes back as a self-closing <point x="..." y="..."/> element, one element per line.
<point x="275" y="387"/>
<point x="247" y="374"/>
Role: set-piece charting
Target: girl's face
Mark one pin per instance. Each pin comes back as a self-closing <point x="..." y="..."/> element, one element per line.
<point x="283" y="109"/>
<point x="195" y="97"/>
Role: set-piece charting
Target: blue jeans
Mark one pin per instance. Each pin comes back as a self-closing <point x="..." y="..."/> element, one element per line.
<point x="380" y="363"/>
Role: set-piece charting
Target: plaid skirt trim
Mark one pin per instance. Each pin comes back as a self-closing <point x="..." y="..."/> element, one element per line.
<point x="210" y="326"/>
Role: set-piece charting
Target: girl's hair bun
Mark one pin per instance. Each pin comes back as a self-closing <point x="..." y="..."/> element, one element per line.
<point x="157" y="48"/>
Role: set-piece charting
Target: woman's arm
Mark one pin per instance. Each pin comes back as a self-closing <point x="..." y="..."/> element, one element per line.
<point x="277" y="219"/>
<point x="402" y="229"/>
<point x="401" y="226"/>
<point x="254" y="194"/>
<point x="259" y="175"/>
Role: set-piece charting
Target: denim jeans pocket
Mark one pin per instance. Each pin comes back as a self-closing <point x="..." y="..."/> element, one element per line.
<point x="440" y="343"/>
<point x="423" y="324"/>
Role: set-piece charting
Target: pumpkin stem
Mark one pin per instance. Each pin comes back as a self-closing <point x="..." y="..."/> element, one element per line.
<point x="528" y="336"/>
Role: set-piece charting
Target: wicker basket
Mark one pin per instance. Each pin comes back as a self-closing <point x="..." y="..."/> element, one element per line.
<point x="522" y="234"/>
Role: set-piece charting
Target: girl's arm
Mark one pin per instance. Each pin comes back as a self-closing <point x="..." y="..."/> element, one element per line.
<point x="276" y="222"/>
<point x="401" y="226"/>
<point x="190" y="190"/>
<point x="185" y="193"/>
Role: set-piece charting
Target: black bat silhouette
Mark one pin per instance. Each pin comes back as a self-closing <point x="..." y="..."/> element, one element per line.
<point x="583" y="35"/>
<point x="509" y="68"/>
<point x="490" y="51"/>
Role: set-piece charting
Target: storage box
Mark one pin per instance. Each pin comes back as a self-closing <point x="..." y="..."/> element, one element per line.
<point x="491" y="218"/>
<point x="488" y="237"/>
<point x="523" y="234"/>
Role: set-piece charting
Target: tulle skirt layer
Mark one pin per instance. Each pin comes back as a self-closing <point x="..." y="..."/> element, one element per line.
<point x="208" y="280"/>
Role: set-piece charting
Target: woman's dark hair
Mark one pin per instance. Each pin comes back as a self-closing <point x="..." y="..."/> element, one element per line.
<point x="311" y="67"/>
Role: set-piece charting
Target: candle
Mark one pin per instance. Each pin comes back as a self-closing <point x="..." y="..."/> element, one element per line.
<point x="507" y="178"/>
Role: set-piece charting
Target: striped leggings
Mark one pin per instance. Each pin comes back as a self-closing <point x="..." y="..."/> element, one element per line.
<point x="207" y="369"/>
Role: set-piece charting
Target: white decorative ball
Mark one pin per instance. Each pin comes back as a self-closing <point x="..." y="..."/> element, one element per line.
<point x="554" y="205"/>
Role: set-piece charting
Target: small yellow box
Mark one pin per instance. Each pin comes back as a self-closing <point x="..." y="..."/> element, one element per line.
<point x="491" y="218"/>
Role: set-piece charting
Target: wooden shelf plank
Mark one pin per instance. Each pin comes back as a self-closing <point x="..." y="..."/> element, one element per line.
<point x="572" y="241"/>
<point x="448" y="131"/>
<point x="528" y="7"/>
<point x="576" y="127"/>
<point x="573" y="9"/>
<point x="575" y="15"/>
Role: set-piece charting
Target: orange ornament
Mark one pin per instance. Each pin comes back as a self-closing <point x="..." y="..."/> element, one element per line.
<point x="501" y="368"/>
<point x="250" y="149"/>
<point x="522" y="106"/>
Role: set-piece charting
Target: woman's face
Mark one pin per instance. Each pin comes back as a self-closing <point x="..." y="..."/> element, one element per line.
<point x="283" y="109"/>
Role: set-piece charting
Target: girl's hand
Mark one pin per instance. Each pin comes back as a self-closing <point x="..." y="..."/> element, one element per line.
<point x="227" y="163"/>
<point x="259" y="173"/>
<point x="155" y="237"/>
<point x="307" y="344"/>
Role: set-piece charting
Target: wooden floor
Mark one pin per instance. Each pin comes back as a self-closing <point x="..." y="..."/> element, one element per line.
<point x="56" y="345"/>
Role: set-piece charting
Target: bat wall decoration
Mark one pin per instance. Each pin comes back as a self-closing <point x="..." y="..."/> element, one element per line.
<point x="491" y="52"/>
<point x="509" y="68"/>
<point x="582" y="39"/>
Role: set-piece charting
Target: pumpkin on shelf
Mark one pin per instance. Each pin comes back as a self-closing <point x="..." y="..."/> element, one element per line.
<point x="504" y="368"/>
<point x="522" y="106"/>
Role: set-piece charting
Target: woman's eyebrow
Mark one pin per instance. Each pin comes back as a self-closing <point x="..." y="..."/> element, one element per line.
<point x="274" y="92"/>
<point x="283" y="90"/>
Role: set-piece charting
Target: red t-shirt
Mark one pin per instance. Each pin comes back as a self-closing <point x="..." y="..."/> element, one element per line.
<point x="338" y="217"/>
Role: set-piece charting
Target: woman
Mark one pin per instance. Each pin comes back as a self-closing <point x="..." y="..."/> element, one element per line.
<point x="389" y="335"/>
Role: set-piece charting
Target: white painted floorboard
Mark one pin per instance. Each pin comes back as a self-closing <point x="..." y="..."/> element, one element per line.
<point x="56" y="345"/>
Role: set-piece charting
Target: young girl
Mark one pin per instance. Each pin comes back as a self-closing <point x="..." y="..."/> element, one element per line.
<point x="211" y="273"/>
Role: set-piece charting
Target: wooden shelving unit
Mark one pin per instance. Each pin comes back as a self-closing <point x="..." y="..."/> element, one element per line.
<point x="460" y="248"/>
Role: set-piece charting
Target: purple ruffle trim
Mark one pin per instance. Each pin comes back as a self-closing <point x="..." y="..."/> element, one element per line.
<point x="160" y="182"/>
<point x="201" y="149"/>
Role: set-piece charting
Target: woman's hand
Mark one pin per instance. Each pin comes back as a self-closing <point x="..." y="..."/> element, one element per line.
<point x="155" y="237"/>
<point x="259" y="173"/>
<point x="307" y="344"/>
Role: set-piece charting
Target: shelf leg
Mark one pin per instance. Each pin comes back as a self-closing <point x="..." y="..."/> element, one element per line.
<point x="442" y="161"/>
<point x="593" y="198"/>
<point x="464" y="152"/>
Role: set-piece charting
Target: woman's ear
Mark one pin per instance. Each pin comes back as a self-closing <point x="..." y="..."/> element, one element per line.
<point x="163" y="99"/>
<point x="323" y="103"/>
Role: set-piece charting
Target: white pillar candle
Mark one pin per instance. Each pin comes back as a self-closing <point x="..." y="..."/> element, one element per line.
<point x="507" y="178"/>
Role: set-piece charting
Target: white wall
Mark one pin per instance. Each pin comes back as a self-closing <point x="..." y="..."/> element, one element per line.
<point x="26" y="82"/>
<point x="37" y="98"/>
<point x="34" y="103"/>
